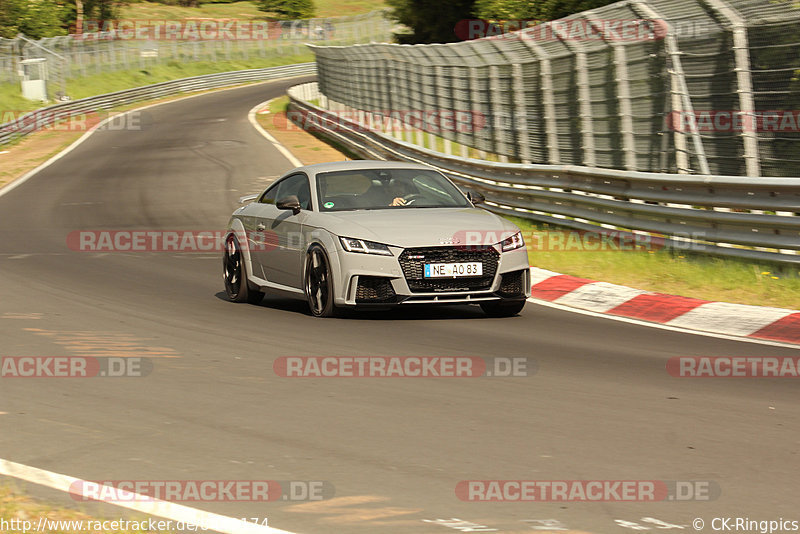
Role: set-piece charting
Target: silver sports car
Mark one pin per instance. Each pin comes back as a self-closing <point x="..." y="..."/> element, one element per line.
<point x="374" y="234"/>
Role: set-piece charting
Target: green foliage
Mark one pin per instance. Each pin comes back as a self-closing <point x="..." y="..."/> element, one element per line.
<point x="430" y="21"/>
<point x="534" y="9"/>
<point x="288" y="9"/>
<point x="99" y="9"/>
<point x="34" y="18"/>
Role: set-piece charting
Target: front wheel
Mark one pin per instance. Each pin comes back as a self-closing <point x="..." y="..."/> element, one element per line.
<point x="500" y="308"/>
<point x="319" y="283"/>
<point x="234" y="273"/>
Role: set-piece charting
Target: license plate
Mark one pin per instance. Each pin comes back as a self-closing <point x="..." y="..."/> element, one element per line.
<point x="453" y="270"/>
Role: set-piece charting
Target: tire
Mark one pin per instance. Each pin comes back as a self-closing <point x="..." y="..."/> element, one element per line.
<point x="234" y="273"/>
<point x="502" y="308"/>
<point x="318" y="283"/>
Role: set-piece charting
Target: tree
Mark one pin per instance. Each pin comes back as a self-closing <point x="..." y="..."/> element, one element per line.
<point x="534" y="10"/>
<point x="430" y="21"/>
<point x="34" y="18"/>
<point x="288" y="9"/>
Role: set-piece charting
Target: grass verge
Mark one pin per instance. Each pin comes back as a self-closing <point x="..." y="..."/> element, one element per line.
<point x="673" y="272"/>
<point x="245" y="10"/>
<point x="108" y="82"/>
<point x="306" y="147"/>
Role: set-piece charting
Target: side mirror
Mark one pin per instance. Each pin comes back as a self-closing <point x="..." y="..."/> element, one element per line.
<point x="476" y="197"/>
<point x="289" y="203"/>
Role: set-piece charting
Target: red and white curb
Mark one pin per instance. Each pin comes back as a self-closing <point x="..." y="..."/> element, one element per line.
<point x="741" y="320"/>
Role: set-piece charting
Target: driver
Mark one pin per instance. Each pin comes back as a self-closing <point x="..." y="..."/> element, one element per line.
<point x="399" y="189"/>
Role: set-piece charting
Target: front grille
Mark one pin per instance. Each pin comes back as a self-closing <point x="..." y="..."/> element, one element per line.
<point x="374" y="289"/>
<point x="511" y="284"/>
<point x="413" y="261"/>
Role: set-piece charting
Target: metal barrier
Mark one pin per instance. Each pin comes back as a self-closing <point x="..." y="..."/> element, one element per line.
<point x="754" y="218"/>
<point x="42" y="118"/>
<point x="678" y="86"/>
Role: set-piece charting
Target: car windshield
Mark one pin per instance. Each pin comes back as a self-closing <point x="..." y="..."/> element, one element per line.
<point x="378" y="189"/>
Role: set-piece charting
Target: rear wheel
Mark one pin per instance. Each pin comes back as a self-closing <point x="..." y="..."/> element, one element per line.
<point x="234" y="273"/>
<point x="318" y="283"/>
<point x="501" y="308"/>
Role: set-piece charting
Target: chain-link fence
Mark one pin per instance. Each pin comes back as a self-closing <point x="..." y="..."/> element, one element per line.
<point x="688" y="86"/>
<point x="9" y="57"/>
<point x="81" y="55"/>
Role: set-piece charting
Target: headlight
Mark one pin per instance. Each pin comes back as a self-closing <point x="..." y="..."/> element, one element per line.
<point x="513" y="243"/>
<point x="364" y="247"/>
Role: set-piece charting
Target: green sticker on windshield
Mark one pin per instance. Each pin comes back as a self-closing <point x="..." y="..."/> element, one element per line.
<point x="328" y="205"/>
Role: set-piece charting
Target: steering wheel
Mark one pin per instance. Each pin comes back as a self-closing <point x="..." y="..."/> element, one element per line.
<point x="412" y="197"/>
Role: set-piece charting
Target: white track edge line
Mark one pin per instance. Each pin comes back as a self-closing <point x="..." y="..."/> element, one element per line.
<point x="662" y="326"/>
<point x="251" y="116"/>
<point x="140" y="503"/>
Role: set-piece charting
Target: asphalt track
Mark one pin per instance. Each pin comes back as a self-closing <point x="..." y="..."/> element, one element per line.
<point x="600" y="407"/>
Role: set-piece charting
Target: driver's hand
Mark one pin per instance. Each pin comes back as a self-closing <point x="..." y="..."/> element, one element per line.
<point x="399" y="201"/>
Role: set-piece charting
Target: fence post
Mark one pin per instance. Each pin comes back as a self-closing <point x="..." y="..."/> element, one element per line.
<point x="447" y="144"/>
<point x="494" y="102"/>
<point x="584" y="98"/>
<point x="546" y="73"/>
<point x="741" y="54"/>
<point x="680" y="94"/>
<point x="623" y="92"/>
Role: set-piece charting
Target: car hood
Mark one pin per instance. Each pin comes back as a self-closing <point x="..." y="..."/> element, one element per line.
<point x="421" y="227"/>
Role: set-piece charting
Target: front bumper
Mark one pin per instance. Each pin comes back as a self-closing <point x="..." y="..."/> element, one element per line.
<point x="370" y="280"/>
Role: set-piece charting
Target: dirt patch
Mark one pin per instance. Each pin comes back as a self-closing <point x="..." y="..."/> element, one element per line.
<point x="32" y="151"/>
<point x="305" y="147"/>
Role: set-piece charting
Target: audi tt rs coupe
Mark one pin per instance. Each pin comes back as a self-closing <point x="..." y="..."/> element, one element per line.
<point x="374" y="234"/>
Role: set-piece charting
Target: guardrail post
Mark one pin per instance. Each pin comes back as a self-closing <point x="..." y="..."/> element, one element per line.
<point x="741" y="52"/>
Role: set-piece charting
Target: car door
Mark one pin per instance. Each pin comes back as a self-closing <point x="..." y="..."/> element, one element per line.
<point x="258" y="239"/>
<point x="281" y="248"/>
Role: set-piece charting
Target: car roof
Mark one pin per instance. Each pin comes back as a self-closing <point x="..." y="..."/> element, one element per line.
<point x="357" y="165"/>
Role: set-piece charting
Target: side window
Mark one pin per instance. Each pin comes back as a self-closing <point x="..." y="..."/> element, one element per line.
<point x="296" y="184"/>
<point x="269" y="195"/>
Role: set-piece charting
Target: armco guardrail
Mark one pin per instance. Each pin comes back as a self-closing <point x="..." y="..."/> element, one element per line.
<point x="755" y="218"/>
<point x="44" y="117"/>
